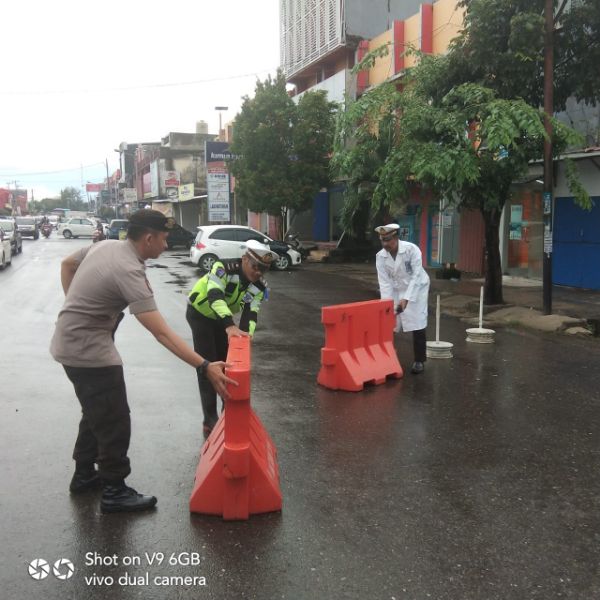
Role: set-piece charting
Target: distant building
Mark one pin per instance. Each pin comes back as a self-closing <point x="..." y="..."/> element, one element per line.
<point x="161" y="169"/>
<point x="14" y="200"/>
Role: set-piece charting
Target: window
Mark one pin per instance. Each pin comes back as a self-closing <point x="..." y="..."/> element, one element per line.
<point x="249" y="234"/>
<point x="224" y="234"/>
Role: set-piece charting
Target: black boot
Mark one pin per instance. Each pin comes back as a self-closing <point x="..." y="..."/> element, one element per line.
<point x="84" y="479"/>
<point x="117" y="497"/>
<point x="417" y="368"/>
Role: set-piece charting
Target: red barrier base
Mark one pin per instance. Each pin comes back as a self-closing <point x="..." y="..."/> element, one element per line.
<point x="237" y="480"/>
<point x="351" y="370"/>
<point x="359" y="345"/>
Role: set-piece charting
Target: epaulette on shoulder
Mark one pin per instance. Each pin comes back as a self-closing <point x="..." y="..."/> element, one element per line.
<point x="231" y="265"/>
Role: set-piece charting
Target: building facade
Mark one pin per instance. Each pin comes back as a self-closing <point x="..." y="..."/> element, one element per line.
<point x="320" y="42"/>
<point x="162" y="169"/>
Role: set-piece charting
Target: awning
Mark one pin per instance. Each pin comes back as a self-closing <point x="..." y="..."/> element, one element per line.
<point x="159" y="200"/>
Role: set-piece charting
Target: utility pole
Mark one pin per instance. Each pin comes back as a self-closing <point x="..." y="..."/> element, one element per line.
<point x="548" y="166"/>
<point x="107" y="183"/>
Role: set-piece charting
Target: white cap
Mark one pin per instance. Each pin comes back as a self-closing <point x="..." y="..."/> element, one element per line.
<point x="261" y="253"/>
<point x="389" y="228"/>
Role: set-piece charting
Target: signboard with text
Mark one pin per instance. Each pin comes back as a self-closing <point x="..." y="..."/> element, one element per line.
<point x="218" y="152"/>
<point x="171" y="181"/>
<point x="217" y="184"/>
<point x="186" y="192"/>
<point x="129" y="195"/>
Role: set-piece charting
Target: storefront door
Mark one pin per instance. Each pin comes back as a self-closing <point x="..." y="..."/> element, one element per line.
<point x="525" y="235"/>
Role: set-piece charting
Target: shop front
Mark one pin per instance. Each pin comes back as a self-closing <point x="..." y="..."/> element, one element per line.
<point x="524" y="231"/>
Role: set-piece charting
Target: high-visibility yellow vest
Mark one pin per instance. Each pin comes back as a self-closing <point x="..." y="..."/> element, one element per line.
<point x="224" y="292"/>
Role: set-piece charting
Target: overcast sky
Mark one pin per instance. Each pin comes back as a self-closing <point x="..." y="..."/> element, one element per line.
<point x="65" y="64"/>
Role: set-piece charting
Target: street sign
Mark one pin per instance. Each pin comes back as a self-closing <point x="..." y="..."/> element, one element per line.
<point x="547" y="242"/>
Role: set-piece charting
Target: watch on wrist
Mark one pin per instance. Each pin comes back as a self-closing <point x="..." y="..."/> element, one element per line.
<point x="203" y="366"/>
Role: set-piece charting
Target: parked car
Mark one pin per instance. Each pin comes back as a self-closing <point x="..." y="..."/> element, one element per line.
<point x="215" y="242"/>
<point x="28" y="226"/>
<point x="11" y="232"/>
<point x="77" y="227"/>
<point x="117" y="229"/>
<point x="179" y="236"/>
<point x="5" y="251"/>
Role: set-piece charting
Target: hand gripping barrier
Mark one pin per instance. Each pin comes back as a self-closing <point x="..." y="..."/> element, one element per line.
<point x="359" y="346"/>
<point x="237" y="474"/>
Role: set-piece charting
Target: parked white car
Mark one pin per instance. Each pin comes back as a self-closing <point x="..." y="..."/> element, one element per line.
<point x="76" y="227"/>
<point x="13" y="234"/>
<point x="5" y="250"/>
<point x="215" y="242"/>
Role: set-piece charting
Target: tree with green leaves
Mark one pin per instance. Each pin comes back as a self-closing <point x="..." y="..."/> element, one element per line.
<point x="467" y="146"/>
<point x="463" y="126"/>
<point x="501" y="46"/>
<point x="282" y="149"/>
<point x="71" y="198"/>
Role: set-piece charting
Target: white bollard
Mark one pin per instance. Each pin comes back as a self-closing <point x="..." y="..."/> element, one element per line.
<point x="480" y="335"/>
<point x="438" y="349"/>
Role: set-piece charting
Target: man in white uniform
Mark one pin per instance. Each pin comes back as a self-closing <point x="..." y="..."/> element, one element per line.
<point x="403" y="279"/>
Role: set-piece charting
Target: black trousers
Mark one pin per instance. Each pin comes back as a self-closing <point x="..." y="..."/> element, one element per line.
<point x="210" y="341"/>
<point x="105" y="426"/>
<point x="420" y="345"/>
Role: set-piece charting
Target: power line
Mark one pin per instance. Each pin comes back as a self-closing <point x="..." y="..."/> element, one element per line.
<point x="128" y="88"/>
<point x="16" y="174"/>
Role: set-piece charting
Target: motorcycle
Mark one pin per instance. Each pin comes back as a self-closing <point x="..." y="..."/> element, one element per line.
<point x="292" y="240"/>
<point x="46" y="230"/>
<point x="98" y="235"/>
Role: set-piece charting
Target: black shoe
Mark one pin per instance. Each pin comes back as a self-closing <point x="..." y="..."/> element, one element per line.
<point x="417" y="368"/>
<point x="120" y="498"/>
<point x="84" y="479"/>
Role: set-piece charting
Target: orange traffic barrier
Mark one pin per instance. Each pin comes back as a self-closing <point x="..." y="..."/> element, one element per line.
<point x="359" y="345"/>
<point x="237" y="474"/>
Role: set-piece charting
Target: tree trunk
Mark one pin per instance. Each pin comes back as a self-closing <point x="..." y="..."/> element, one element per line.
<point x="492" y="292"/>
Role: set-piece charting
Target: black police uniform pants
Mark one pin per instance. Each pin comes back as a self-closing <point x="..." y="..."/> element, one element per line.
<point x="105" y="426"/>
<point x="210" y="341"/>
<point x="420" y="345"/>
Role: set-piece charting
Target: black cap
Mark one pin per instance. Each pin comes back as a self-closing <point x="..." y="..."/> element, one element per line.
<point x="152" y="219"/>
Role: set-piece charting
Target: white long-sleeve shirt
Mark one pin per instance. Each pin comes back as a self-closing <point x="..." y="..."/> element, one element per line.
<point x="405" y="278"/>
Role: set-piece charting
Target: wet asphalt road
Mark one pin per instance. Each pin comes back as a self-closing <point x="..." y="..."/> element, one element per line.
<point x="478" y="480"/>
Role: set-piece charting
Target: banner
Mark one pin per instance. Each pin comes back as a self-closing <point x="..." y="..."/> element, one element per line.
<point x="154" y="190"/>
<point x="93" y="187"/>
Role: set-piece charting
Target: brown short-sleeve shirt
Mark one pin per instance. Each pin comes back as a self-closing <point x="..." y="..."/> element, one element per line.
<point x="111" y="276"/>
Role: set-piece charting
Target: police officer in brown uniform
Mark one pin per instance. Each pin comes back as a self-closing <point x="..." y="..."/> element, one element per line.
<point x="100" y="281"/>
